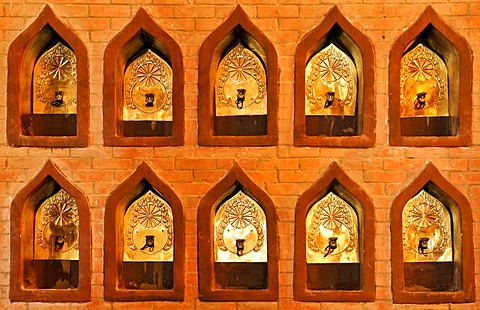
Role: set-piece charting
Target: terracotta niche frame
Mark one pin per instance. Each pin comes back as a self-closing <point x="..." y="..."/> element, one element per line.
<point x="457" y="54"/>
<point x="22" y="55"/>
<point x="141" y="33"/>
<point x="431" y="180"/>
<point x="338" y="29"/>
<point x="237" y="27"/>
<point x="116" y="205"/>
<point x="234" y="180"/>
<point x="22" y="214"/>
<point x="336" y="180"/>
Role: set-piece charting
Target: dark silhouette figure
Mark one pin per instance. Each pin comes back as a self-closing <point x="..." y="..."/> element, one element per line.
<point x="332" y="245"/>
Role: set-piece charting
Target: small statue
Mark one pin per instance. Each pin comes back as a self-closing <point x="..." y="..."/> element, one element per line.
<point x="420" y="101"/>
<point x="59" y="242"/>
<point x="332" y="245"/>
<point x="149" y="243"/>
<point x="423" y="245"/>
<point x="330" y="97"/>
<point x="58" y="99"/>
<point x="240" y="98"/>
<point x="240" y="243"/>
<point x="149" y="99"/>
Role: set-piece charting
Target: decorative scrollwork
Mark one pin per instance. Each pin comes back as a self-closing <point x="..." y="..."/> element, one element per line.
<point x="423" y="75"/>
<point x="330" y="72"/>
<point x="329" y="219"/>
<point x="240" y="230"/>
<point x="241" y="84"/>
<point x="58" y="219"/>
<point x="147" y="214"/>
<point x="426" y="228"/>
<point x="56" y="73"/>
<point x="148" y="74"/>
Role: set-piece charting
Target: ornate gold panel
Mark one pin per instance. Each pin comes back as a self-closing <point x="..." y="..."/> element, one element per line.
<point x="426" y="230"/>
<point x="148" y="230"/>
<point x="331" y="83"/>
<point x="148" y="89"/>
<point x="332" y="232"/>
<point x="55" y="82"/>
<point x="240" y="85"/>
<point x="240" y="231"/>
<point x="56" y="228"/>
<point x="423" y="84"/>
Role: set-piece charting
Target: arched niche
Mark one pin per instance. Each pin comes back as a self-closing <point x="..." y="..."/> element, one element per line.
<point x="228" y="274"/>
<point x="143" y="209"/>
<point x="143" y="86"/>
<point x="415" y="118"/>
<point x="239" y="122"/>
<point x="44" y="108"/>
<point x="334" y="251"/>
<point x="50" y="240"/>
<point x="439" y="268"/>
<point x="349" y="119"/>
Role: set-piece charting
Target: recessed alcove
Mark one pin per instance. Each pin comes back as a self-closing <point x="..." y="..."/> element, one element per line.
<point x="238" y="85"/>
<point x="334" y="85"/>
<point x="237" y="242"/>
<point x="432" y="243"/>
<point x="143" y="86"/>
<point x="430" y="85"/>
<point x="334" y="254"/>
<point x="50" y="240"/>
<point x="48" y="86"/>
<point x="144" y="250"/>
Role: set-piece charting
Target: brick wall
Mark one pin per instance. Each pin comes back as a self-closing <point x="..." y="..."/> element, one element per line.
<point x="284" y="172"/>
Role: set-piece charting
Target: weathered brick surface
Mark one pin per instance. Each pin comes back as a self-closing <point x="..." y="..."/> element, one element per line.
<point x="284" y="171"/>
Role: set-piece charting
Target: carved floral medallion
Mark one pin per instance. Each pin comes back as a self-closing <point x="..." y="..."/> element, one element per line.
<point x="331" y="83"/>
<point x="55" y="82"/>
<point x="423" y="84"/>
<point x="148" y="89"/>
<point x="56" y="228"/>
<point x="240" y="85"/>
<point x="240" y="231"/>
<point x="148" y="230"/>
<point x="426" y="230"/>
<point x="332" y="232"/>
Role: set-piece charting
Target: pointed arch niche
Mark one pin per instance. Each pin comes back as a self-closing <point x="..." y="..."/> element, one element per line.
<point x="349" y="120"/>
<point x="237" y="255"/>
<point x="144" y="249"/>
<point x="50" y="240"/>
<point x="432" y="242"/>
<point x="228" y="114"/>
<point x="43" y="108"/>
<point x="143" y="86"/>
<point x="342" y="270"/>
<point x="433" y="109"/>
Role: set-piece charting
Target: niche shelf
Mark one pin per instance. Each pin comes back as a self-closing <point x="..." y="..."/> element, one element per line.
<point x="435" y="108"/>
<point x="239" y="106"/>
<point x="347" y="117"/>
<point x="50" y="241"/>
<point x="48" y="86"/>
<point x="145" y="247"/>
<point x="143" y="86"/>
<point x="432" y="242"/>
<point x="237" y="247"/>
<point x="334" y="251"/>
